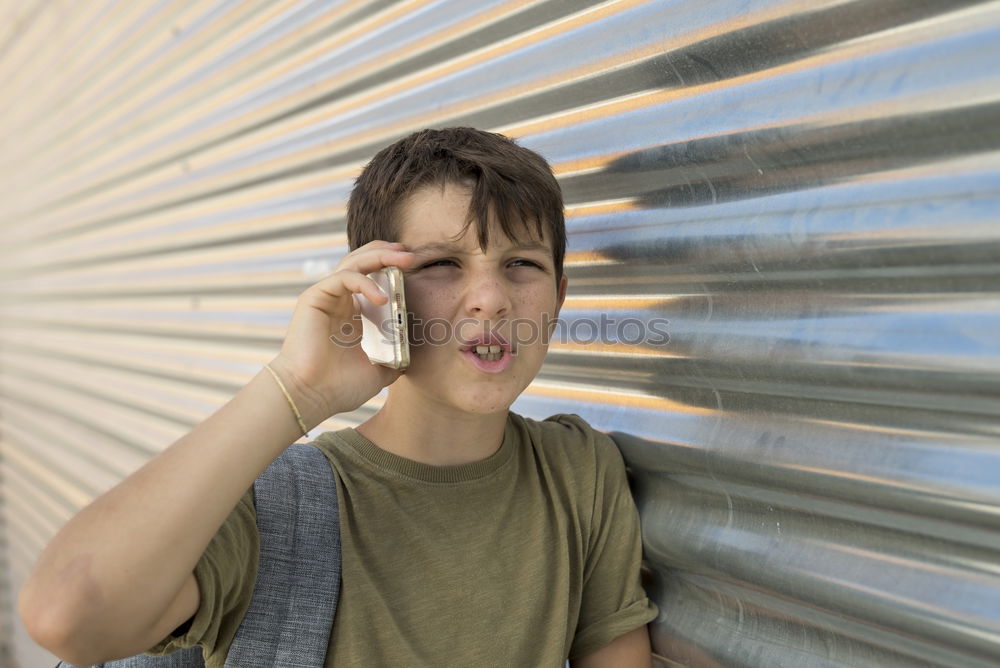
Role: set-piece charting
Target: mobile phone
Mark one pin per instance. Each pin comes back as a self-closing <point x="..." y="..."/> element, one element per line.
<point x="384" y="338"/>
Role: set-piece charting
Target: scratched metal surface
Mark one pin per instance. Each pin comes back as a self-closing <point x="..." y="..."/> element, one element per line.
<point x="802" y="194"/>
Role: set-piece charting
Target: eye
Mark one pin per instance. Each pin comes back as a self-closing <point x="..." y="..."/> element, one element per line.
<point x="525" y="262"/>
<point x="443" y="262"/>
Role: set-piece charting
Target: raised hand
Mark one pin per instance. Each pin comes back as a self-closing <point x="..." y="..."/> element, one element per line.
<point x="321" y="361"/>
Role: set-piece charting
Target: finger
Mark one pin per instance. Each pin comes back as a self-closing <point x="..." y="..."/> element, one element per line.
<point x="374" y="259"/>
<point x="377" y="245"/>
<point x="344" y="283"/>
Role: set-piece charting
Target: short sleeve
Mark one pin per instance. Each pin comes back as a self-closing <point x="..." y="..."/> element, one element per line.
<point x="613" y="601"/>
<point x="226" y="573"/>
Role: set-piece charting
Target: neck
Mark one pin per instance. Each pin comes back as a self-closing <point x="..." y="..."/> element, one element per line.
<point x="431" y="434"/>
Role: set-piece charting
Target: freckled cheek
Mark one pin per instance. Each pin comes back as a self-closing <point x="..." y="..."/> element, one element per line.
<point x="427" y="302"/>
<point x="535" y="309"/>
<point x="430" y="317"/>
<point x="534" y="300"/>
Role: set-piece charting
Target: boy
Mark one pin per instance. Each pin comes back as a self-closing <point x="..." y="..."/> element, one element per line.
<point x="470" y="536"/>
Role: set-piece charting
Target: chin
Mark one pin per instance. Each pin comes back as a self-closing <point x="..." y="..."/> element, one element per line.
<point x="487" y="408"/>
<point x="480" y="401"/>
<point x="459" y="396"/>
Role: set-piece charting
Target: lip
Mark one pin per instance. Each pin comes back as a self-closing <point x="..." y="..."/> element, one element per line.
<point x="488" y="339"/>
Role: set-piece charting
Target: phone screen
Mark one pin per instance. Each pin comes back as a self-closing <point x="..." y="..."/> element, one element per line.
<point x="384" y="338"/>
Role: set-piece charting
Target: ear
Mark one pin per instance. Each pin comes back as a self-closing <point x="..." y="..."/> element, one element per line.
<point x="563" y="282"/>
<point x="560" y="298"/>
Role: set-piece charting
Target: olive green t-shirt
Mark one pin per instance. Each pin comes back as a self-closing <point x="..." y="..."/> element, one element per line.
<point x="526" y="558"/>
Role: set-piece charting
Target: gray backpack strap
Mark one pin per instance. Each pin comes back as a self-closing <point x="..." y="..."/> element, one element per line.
<point x="185" y="658"/>
<point x="295" y="596"/>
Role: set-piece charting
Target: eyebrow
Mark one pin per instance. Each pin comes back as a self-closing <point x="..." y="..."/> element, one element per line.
<point x="453" y="249"/>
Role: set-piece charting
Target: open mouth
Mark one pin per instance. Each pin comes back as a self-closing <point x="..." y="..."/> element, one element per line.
<point x="487" y="353"/>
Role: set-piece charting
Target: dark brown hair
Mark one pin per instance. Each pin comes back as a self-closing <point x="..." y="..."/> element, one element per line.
<point x="513" y="184"/>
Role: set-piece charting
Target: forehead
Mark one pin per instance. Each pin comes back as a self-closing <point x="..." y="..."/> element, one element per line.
<point x="437" y="216"/>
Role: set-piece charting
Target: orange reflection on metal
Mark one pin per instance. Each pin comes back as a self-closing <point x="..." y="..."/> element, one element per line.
<point x="616" y="397"/>
<point x="603" y="207"/>
<point x="619" y="302"/>
<point x="621" y="350"/>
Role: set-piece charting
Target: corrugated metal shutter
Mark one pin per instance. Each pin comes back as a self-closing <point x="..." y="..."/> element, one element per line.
<point x="806" y="191"/>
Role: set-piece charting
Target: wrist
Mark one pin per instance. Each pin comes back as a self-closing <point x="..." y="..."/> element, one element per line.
<point x="307" y="406"/>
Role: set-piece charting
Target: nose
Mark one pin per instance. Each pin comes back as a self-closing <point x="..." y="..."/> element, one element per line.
<point x="487" y="296"/>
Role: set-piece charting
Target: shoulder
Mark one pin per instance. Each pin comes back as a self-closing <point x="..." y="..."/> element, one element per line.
<point x="330" y="441"/>
<point x="569" y="437"/>
<point x="568" y="430"/>
<point x="335" y="445"/>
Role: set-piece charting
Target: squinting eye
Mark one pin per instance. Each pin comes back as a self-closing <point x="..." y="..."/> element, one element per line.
<point x="438" y="263"/>
<point x="521" y="262"/>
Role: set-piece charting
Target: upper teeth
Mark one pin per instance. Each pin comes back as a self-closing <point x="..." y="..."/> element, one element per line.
<point x="485" y="350"/>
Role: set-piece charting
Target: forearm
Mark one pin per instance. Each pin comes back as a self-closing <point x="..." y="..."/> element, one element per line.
<point x="113" y="570"/>
<point x="630" y="650"/>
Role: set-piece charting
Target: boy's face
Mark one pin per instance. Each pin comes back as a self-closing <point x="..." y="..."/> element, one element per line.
<point x="481" y="319"/>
